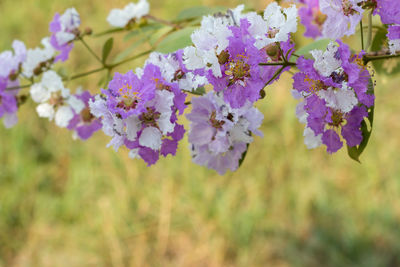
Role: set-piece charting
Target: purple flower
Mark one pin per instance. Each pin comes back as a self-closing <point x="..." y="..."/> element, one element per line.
<point x="63" y="29"/>
<point x="219" y="134"/>
<point x="334" y="88"/>
<point x="241" y="74"/>
<point x="312" y="18"/>
<point x="84" y="124"/>
<point x="388" y="10"/>
<point x="127" y="95"/>
<point x="140" y="113"/>
<point x="342" y="17"/>
<point x="10" y="65"/>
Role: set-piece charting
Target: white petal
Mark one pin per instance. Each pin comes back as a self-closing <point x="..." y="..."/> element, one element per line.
<point x="63" y="116"/>
<point x="45" y="110"/>
<point x="39" y="93"/>
<point x="151" y="138"/>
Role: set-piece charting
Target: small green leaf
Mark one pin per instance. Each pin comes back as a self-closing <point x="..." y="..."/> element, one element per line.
<point x="319" y="45"/>
<point x="243" y="156"/>
<point x="353" y="153"/>
<point x="108" y="45"/>
<point x="176" y="40"/>
<point x="197" y="12"/>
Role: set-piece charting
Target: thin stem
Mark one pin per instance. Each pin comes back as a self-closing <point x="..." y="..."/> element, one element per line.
<point x="287" y="63"/>
<point x="130" y="59"/>
<point x="369" y="40"/>
<point x="275" y="75"/>
<point x="91" y="51"/>
<point x="77" y="76"/>
<point x="362" y="35"/>
<point x="373" y="58"/>
<point x="168" y="23"/>
<point x="18" y="87"/>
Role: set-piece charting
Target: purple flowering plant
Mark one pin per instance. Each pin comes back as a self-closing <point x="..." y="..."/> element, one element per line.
<point x="213" y="76"/>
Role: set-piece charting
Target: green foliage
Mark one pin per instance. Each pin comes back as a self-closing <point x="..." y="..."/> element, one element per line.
<point x="379" y="43"/>
<point x="319" y="45"/>
<point x="198" y="12"/>
<point x="176" y="40"/>
<point x="108" y="45"/>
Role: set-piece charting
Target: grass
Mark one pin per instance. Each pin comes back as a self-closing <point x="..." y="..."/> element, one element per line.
<point x="72" y="203"/>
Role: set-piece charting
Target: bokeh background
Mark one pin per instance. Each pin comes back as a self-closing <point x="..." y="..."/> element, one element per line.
<point x="73" y="203"/>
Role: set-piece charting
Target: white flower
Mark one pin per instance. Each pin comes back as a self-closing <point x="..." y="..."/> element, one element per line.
<point x="311" y="140"/>
<point x="36" y="56"/>
<point x="121" y="17"/>
<point x="325" y="61"/>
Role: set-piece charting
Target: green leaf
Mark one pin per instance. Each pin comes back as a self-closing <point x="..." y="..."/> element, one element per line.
<point x="197" y="12"/>
<point x="148" y="29"/>
<point x="176" y="40"/>
<point x="355" y="152"/>
<point x="320" y="45"/>
<point x="108" y="45"/>
<point x="199" y="91"/>
<point x="243" y="156"/>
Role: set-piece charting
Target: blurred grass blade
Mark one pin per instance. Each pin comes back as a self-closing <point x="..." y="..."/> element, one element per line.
<point x="243" y="156"/>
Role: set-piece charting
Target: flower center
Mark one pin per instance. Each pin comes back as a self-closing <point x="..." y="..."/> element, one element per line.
<point x="347" y="8"/>
<point x="56" y="100"/>
<point x="337" y="118"/>
<point x="238" y="70"/>
<point x="315" y="85"/>
<point x="319" y="18"/>
<point x="86" y="115"/>
<point x="214" y="122"/>
<point x="150" y="117"/>
<point x="128" y="97"/>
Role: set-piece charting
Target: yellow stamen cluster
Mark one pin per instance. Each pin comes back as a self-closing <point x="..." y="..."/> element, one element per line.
<point x="128" y="95"/>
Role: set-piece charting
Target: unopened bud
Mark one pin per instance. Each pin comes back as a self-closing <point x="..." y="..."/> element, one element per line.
<point x="37" y="71"/>
<point x="13" y="76"/>
<point x="262" y="94"/>
<point x="272" y="50"/>
<point x="88" y="31"/>
<point x="21" y="100"/>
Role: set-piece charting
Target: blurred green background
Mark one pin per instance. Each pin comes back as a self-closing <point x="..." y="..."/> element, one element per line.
<point x="73" y="203"/>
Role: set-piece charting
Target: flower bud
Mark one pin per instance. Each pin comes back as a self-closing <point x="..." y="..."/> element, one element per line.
<point x="88" y="31"/>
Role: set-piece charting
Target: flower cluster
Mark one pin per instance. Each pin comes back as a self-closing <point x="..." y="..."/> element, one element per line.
<point x="334" y="87"/>
<point x="233" y="57"/>
<point x="140" y="112"/>
<point x="229" y="49"/>
<point x="64" y="29"/>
